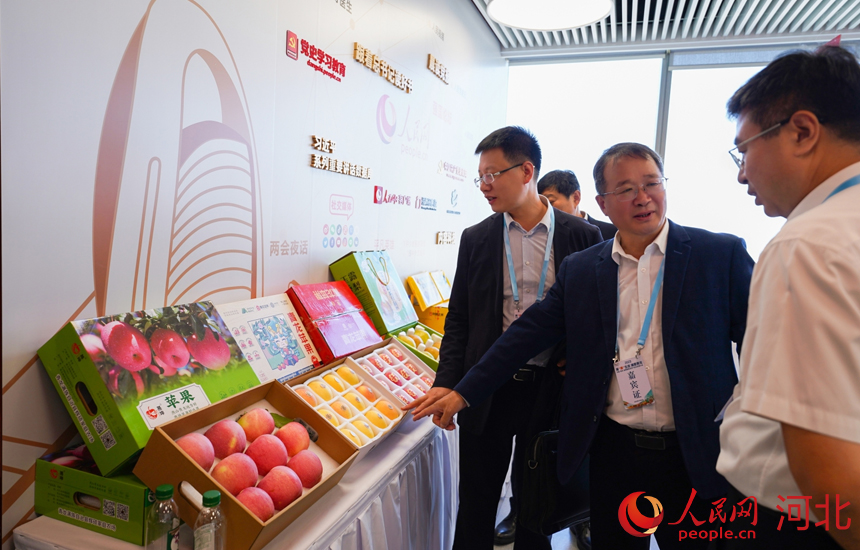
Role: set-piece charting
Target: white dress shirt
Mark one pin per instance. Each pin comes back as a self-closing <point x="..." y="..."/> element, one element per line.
<point x="800" y="360"/>
<point x="635" y="282"/>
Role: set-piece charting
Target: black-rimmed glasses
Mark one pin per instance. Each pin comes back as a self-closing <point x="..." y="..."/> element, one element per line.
<point x="490" y="178"/>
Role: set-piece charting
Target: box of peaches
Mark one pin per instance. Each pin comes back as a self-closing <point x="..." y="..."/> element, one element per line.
<point x="361" y="395"/>
<point x="268" y="453"/>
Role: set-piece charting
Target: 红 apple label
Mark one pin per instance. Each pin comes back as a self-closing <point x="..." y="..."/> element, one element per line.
<point x="171" y="405"/>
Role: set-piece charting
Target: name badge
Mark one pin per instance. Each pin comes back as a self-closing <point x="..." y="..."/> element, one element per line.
<point x="633" y="381"/>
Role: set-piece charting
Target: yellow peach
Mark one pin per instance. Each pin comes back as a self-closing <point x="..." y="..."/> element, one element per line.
<point x="355" y="400"/>
<point x="321" y="388"/>
<point x="362" y="426"/>
<point x="330" y="416"/>
<point x="307" y="396"/>
<point x="341" y="408"/>
<point x="377" y="419"/>
<point x="367" y="392"/>
<point x="351" y="436"/>
<point x="334" y="382"/>
<point x="387" y="409"/>
<point x="348" y="375"/>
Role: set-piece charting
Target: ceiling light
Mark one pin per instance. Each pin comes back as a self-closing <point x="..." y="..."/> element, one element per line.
<point x="548" y="15"/>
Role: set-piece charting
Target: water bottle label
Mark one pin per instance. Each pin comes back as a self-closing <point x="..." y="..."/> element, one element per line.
<point x="204" y="537"/>
<point x="173" y="536"/>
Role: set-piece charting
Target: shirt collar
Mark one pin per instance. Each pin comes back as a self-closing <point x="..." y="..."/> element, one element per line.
<point x="659" y="243"/>
<point x="820" y="193"/>
<point x="543" y="221"/>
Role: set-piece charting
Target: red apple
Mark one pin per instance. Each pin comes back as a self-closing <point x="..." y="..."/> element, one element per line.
<point x="267" y="451"/>
<point x="95" y="348"/>
<point x="257" y="501"/>
<point x="236" y="472"/>
<point x="170" y="350"/>
<point x="227" y="437"/>
<point x="126" y="345"/>
<point x="212" y="352"/>
<point x="294" y="436"/>
<point x="199" y="448"/>
<point x="257" y="422"/>
<point x="283" y="485"/>
<point x="307" y="465"/>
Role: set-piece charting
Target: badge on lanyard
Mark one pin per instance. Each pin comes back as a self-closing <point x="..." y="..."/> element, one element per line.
<point x="630" y="373"/>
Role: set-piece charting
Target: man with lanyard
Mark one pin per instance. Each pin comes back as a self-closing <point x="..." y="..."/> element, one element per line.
<point x="505" y="264"/>
<point x="791" y="434"/>
<point x="649" y="319"/>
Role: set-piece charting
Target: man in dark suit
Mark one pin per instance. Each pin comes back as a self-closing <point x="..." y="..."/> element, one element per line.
<point x="640" y="397"/>
<point x="501" y="264"/>
<point x="561" y="187"/>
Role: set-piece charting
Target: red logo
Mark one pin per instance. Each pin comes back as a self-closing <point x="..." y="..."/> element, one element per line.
<point x="152" y="413"/>
<point x="628" y="512"/>
<point x="76" y="349"/>
<point x="292" y="45"/>
<point x="54" y="473"/>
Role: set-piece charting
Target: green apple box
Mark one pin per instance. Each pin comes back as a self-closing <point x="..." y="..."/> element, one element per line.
<point x="123" y="375"/>
<point x="70" y="488"/>
<point x="373" y="279"/>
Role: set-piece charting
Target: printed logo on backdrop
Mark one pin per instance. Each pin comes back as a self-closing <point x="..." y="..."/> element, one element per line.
<point x="318" y="60"/>
<point x="414" y="134"/>
<point x="339" y="235"/>
<point x="455" y="197"/>
<point x="456" y="173"/>
<point x="424" y="203"/>
<point x="381" y="196"/>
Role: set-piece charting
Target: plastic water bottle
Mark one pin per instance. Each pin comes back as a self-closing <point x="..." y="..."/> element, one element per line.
<point x="209" y="527"/>
<point x="162" y="521"/>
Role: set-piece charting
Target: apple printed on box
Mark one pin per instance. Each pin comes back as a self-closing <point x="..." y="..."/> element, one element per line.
<point x="121" y="376"/>
<point x="272" y="337"/>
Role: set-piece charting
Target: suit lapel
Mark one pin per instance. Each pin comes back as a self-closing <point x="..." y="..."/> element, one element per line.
<point x="606" y="271"/>
<point x="677" y="257"/>
<point x="495" y="240"/>
<point x="560" y="247"/>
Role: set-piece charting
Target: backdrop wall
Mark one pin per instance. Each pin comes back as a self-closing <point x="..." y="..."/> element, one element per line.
<point x="161" y="152"/>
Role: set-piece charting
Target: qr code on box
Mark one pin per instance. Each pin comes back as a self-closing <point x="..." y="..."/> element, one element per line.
<point x="122" y="512"/>
<point x="107" y="440"/>
<point x="109" y="508"/>
<point x="99" y="424"/>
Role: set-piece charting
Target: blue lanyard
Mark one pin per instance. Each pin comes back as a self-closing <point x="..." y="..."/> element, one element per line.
<point x="646" y="324"/>
<point x="545" y="261"/>
<point x="845" y="185"/>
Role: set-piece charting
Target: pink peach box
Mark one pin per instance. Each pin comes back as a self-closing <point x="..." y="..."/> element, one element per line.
<point x="163" y="461"/>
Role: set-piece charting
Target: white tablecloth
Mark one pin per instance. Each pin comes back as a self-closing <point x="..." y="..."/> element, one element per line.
<point x="402" y="495"/>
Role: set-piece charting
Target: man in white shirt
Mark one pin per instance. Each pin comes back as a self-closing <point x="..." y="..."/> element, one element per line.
<point x="791" y="434"/>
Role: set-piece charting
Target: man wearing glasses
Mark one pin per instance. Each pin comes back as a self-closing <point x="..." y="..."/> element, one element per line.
<point x="639" y="396"/>
<point x="506" y="263"/>
<point x="791" y="434"/>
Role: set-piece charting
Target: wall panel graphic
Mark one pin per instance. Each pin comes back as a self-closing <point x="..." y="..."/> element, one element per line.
<point x="159" y="152"/>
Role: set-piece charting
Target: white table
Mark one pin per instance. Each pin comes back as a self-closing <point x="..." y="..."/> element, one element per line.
<point x="402" y="495"/>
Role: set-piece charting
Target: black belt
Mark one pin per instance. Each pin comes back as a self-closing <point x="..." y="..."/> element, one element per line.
<point x="525" y="375"/>
<point x="655" y="441"/>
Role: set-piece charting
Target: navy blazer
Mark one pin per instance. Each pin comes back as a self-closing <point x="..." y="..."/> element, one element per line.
<point x="474" y="319"/>
<point x="705" y="291"/>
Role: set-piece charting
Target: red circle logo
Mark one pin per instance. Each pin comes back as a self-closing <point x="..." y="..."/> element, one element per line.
<point x="628" y="513"/>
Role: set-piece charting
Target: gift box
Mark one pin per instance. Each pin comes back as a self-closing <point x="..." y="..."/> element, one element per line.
<point x="430" y="292"/>
<point x="373" y="279"/>
<point x="334" y="319"/>
<point x="412" y="345"/>
<point x="434" y="317"/>
<point x="272" y="337"/>
<point x="244" y="530"/>
<point x="121" y="376"/>
<point x="70" y="488"/>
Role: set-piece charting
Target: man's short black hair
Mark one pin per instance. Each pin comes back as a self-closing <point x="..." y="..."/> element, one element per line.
<point x="619" y="151"/>
<point x="563" y="181"/>
<point x="517" y="144"/>
<point x="826" y="82"/>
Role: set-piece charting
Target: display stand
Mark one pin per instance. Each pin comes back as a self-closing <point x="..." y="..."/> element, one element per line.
<point x="402" y="495"/>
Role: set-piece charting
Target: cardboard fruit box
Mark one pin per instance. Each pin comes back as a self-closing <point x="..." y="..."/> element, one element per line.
<point x="163" y="461"/>
<point x="334" y="319"/>
<point x="70" y="488"/>
<point x="271" y="336"/>
<point x="373" y="279"/>
<point x="123" y="375"/>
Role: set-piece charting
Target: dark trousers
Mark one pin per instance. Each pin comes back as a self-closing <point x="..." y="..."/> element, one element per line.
<point x="484" y="460"/>
<point x="766" y="535"/>
<point x="618" y="468"/>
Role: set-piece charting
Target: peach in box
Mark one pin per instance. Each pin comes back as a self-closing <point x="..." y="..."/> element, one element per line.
<point x="257" y="501"/>
<point x="227" y="437"/>
<point x="295" y="437"/>
<point x="199" y="448"/>
<point x="236" y="472"/>
<point x="308" y="467"/>
<point x="257" y="422"/>
<point x="283" y="485"/>
<point x="267" y="451"/>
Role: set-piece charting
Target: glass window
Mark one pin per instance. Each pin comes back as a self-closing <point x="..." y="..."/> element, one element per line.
<point x="703" y="187"/>
<point x="577" y="110"/>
